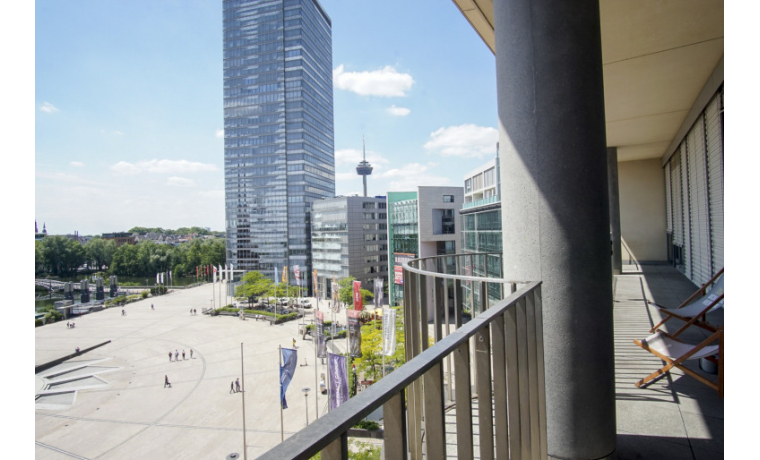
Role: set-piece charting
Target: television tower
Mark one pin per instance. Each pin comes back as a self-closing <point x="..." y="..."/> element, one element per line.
<point x="364" y="169"/>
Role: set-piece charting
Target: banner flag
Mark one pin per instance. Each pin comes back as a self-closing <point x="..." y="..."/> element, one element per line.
<point x="314" y="280"/>
<point x="321" y="342"/>
<point x="297" y="273"/>
<point x="354" y="333"/>
<point x="357" y="295"/>
<point x="389" y="331"/>
<point x="214" y="268"/>
<point x="170" y="275"/>
<point x="157" y="278"/>
<point x="338" y="381"/>
<point x="378" y="292"/>
<point x="288" y="368"/>
<point x="285" y="274"/>
<point x="276" y="279"/>
<point x="196" y="271"/>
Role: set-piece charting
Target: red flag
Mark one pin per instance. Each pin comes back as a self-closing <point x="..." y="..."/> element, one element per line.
<point x="357" y="295"/>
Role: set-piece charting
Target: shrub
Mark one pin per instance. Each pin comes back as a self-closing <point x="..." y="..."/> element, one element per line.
<point x="38" y="322"/>
<point x="144" y="294"/>
<point x="368" y="425"/>
<point x="158" y="290"/>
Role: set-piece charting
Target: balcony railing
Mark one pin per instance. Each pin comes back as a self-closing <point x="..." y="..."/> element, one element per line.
<point x="482" y="202"/>
<point x="497" y="357"/>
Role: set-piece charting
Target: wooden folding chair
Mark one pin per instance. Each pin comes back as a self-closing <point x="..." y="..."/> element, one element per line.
<point x="674" y="352"/>
<point x="696" y="306"/>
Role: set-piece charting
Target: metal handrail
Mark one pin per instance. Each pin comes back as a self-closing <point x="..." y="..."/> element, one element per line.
<point x="329" y="431"/>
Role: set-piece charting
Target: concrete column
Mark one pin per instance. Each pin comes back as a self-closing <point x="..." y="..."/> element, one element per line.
<point x="612" y="179"/>
<point x="555" y="210"/>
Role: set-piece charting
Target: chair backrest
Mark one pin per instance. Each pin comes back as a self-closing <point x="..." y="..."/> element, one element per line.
<point x="700" y="303"/>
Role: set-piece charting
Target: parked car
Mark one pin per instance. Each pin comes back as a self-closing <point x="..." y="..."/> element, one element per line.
<point x="305" y="303"/>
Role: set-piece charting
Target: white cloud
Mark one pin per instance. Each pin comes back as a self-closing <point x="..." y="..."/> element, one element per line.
<point x="469" y="141"/>
<point x="411" y="175"/>
<point x="219" y="133"/>
<point x="180" y="182"/>
<point x="382" y="82"/>
<point x="398" y="111"/>
<point x="354" y="156"/>
<point x="47" y="107"/>
<point x="118" y="133"/>
<point x="77" y="164"/>
<point x="161" y="166"/>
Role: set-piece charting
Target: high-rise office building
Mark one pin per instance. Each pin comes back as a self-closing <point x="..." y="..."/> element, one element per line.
<point x="278" y="129"/>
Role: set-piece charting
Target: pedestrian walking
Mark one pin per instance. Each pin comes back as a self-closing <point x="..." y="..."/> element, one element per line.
<point x="232" y="387"/>
<point x="176" y="355"/>
<point x="195" y="311"/>
<point x="123" y="313"/>
<point x="183" y="355"/>
<point x="294" y="342"/>
<point x="166" y="382"/>
<point x="170" y="356"/>
<point x="151" y="307"/>
<point x="191" y="353"/>
<point x="68" y="326"/>
<point x="191" y="311"/>
<point x="237" y="385"/>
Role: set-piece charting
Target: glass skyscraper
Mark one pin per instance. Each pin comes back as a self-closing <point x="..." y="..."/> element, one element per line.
<point x="278" y="130"/>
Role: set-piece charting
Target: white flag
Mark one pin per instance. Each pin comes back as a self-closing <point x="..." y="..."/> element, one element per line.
<point x="214" y="273"/>
<point x="221" y="273"/>
<point x="297" y="272"/>
<point x="162" y="277"/>
<point x="157" y="278"/>
<point x="170" y="274"/>
<point x="389" y="331"/>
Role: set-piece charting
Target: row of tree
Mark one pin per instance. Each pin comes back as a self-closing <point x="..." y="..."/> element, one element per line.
<point x="61" y="256"/>
<point x="179" y="231"/>
<point x="256" y="284"/>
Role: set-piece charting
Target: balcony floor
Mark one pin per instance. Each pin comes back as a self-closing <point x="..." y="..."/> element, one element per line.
<point x="676" y="417"/>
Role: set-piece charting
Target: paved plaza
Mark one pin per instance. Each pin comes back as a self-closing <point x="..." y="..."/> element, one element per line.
<point x="122" y="409"/>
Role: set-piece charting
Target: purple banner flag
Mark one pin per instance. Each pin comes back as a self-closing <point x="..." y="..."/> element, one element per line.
<point x="289" y="358"/>
<point x="338" y="380"/>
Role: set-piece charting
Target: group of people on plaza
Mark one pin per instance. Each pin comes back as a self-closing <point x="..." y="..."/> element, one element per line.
<point x="176" y="355"/>
<point x="70" y="325"/>
<point x="193" y="311"/>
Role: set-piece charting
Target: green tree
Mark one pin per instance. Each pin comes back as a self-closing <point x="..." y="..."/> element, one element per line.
<point x="61" y="255"/>
<point x="346" y="292"/>
<point x="370" y="364"/>
<point x="254" y="284"/>
<point x="99" y="252"/>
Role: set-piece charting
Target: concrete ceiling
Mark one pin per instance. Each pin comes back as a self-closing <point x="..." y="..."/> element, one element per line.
<point x="657" y="56"/>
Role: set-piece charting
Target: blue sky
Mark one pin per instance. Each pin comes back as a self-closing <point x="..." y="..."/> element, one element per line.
<point x="128" y="106"/>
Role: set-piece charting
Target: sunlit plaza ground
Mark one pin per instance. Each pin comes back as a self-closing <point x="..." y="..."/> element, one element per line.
<point x="131" y="415"/>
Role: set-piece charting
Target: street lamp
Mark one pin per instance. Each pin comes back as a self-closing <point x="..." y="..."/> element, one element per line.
<point x="306" y="401"/>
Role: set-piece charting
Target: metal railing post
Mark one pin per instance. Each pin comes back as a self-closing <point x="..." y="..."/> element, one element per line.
<point x="483" y="384"/>
<point x="435" y="432"/>
<point x="464" y="401"/>
<point x="394" y="427"/>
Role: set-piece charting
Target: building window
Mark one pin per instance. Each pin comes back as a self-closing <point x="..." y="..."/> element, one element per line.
<point x="443" y="222"/>
<point x="448" y="198"/>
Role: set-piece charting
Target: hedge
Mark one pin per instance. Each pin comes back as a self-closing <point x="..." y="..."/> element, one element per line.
<point x="286" y="317"/>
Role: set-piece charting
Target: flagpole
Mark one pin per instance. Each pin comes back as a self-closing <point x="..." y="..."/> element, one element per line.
<point x="282" y="428"/>
<point x="213" y="293"/>
<point x="316" y="381"/>
<point x="242" y="373"/>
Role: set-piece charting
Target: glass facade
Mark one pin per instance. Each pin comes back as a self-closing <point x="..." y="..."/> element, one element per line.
<point x="278" y="129"/>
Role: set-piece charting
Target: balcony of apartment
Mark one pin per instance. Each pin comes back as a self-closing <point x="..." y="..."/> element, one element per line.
<point x="434" y="406"/>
